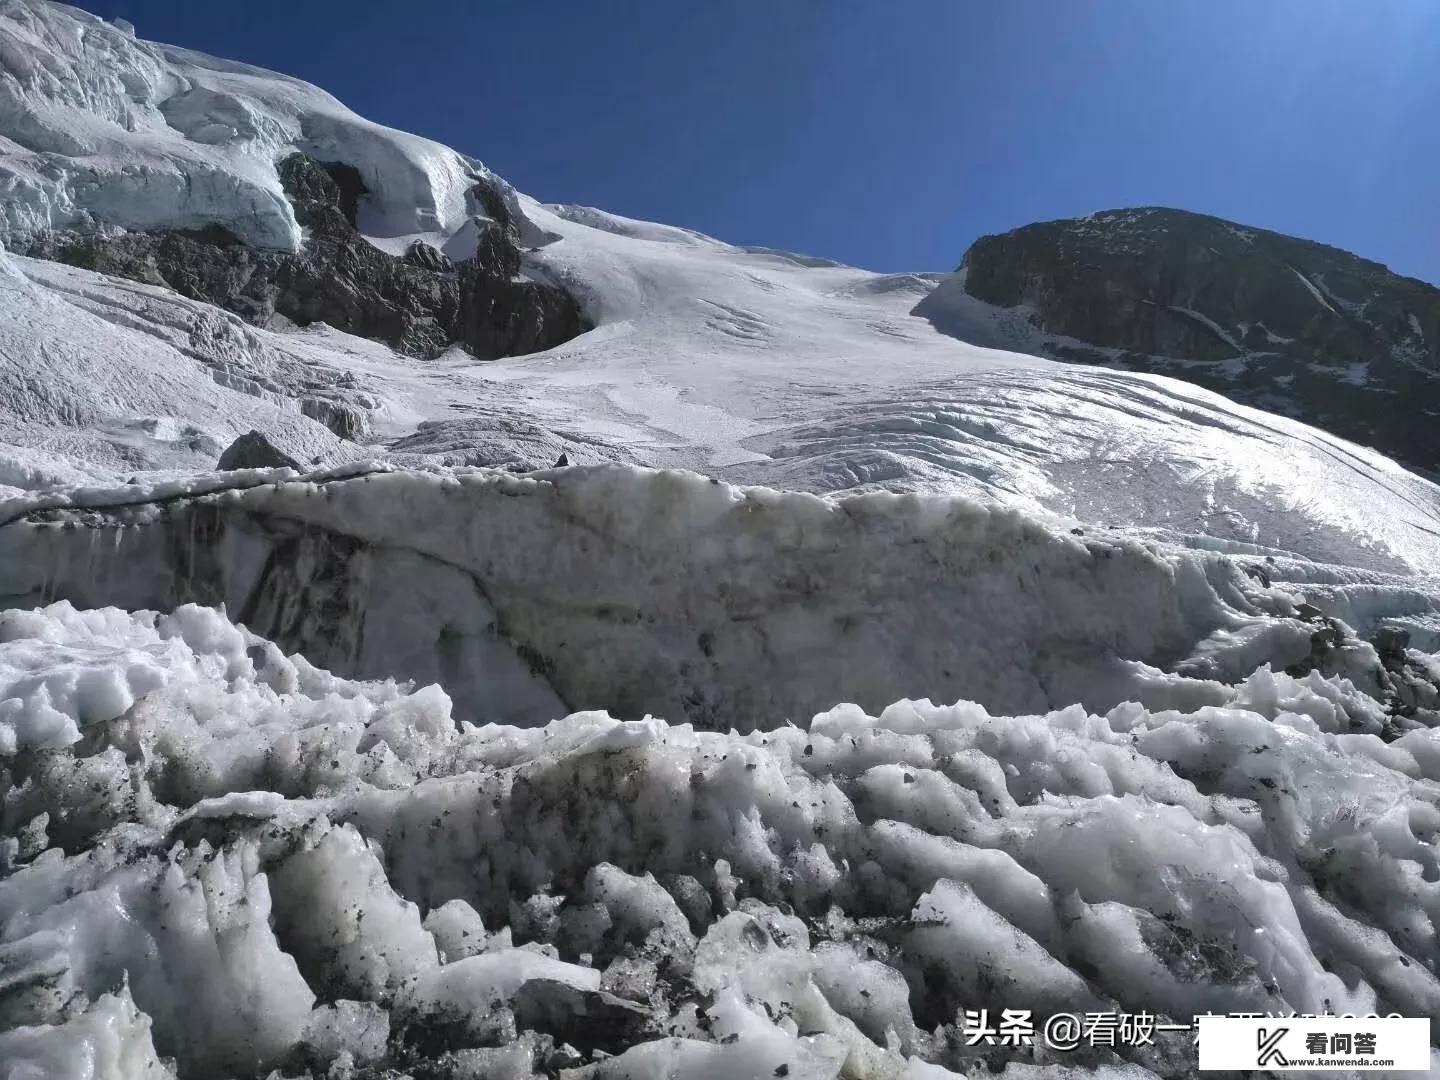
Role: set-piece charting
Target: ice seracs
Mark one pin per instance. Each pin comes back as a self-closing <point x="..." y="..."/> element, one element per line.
<point x="821" y="895"/>
<point x="97" y="125"/>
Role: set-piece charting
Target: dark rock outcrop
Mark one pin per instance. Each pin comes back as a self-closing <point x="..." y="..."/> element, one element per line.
<point x="426" y="257"/>
<point x="1283" y="324"/>
<point x="1410" y="686"/>
<point x="420" y="303"/>
<point x="254" y="451"/>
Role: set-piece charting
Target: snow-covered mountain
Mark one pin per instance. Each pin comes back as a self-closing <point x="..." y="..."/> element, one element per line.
<point x="1192" y="762"/>
<point x="1283" y="324"/>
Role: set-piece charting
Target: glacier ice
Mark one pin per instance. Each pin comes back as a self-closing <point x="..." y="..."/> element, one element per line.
<point x="670" y="593"/>
<point x="751" y="364"/>
<point x="315" y="870"/>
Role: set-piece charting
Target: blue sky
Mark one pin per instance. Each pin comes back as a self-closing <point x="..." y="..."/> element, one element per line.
<point x="891" y="133"/>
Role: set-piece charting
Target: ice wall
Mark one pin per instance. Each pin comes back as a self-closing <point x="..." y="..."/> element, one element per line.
<point x="660" y="592"/>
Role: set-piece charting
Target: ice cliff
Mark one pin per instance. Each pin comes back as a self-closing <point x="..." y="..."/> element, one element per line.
<point x="667" y="593"/>
<point x="98" y="125"/>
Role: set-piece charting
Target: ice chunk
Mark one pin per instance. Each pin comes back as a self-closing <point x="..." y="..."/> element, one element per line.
<point x="351" y="933"/>
<point x="360" y="1029"/>
<point x="457" y="929"/>
<point x="110" y="1040"/>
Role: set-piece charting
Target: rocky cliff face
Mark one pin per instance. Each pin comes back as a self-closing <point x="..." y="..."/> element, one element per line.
<point x="419" y="303"/>
<point x="1272" y="321"/>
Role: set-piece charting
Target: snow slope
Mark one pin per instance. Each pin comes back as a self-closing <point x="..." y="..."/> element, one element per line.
<point x="750" y="367"/>
<point x="99" y="377"/>
<point x="767" y="369"/>
<point x="756" y="365"/>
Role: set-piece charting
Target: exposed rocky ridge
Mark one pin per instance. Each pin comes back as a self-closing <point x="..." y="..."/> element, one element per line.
<point x="420" y="303"/>
<point x="1273" y="321"/>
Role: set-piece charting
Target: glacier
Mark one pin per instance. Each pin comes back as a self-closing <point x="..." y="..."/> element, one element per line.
<point x="641" y="839"/>
<point x="855" y="672"/>
<point x="228" y="857"/>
